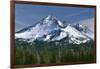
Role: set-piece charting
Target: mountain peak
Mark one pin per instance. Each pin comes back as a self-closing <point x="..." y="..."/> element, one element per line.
<point x="50" y="17"/>
<point x="52" y="20"/>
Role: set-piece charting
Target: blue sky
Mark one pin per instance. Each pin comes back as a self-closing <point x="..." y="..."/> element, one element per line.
<point x="26" y="14"/>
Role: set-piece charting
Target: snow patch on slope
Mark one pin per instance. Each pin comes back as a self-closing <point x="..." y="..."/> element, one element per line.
<point x="52" y="29"/>
<point x="73" y="32"/>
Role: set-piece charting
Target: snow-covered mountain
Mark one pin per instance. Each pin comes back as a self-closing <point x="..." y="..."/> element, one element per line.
<point x="52" y="29"/>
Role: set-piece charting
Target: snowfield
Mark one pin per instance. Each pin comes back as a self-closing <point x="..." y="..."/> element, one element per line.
<point x="52" y="29"/>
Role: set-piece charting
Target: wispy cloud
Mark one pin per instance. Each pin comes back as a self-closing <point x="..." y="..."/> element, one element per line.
<point x="19" y="25"/>
<point x="77" y="14"/>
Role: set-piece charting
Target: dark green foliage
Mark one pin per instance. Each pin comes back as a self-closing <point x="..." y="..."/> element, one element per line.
<point x="57" y="52"/>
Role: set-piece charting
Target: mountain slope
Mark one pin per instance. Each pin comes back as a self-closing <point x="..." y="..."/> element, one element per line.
<point x="84" y="30"/>
<point x="52" y="29"/>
